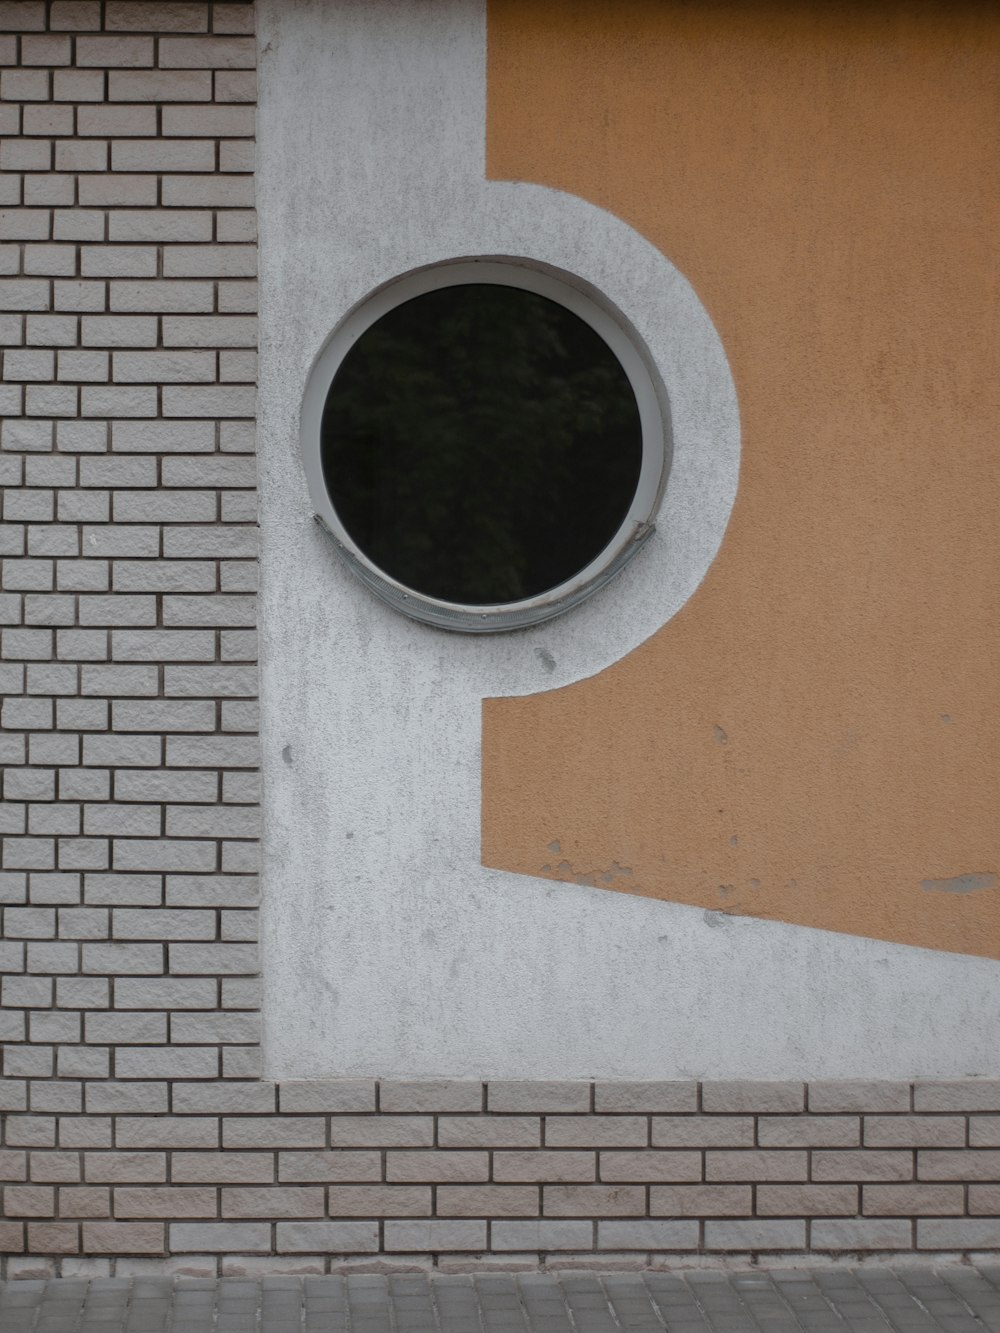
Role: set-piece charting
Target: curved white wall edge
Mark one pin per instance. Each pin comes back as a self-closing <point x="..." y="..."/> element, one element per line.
<point x="387" y="948"/>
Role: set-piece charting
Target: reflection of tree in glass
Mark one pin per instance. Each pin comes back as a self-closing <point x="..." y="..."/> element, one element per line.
<point x="481" y="444"/>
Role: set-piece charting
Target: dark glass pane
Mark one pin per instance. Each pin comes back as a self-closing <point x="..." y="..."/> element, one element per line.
<point x="481" y="444"/>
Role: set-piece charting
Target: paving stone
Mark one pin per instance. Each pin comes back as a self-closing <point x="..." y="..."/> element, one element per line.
<point x="909" y="1299"/>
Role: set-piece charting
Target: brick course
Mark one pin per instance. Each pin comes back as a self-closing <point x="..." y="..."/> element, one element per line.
<point x="136" y="1125"/>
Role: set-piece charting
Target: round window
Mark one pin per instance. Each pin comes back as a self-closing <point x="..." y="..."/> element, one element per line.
<point x="485" y="443"/>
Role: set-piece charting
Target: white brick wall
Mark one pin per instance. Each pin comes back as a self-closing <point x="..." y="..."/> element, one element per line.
<point x="127" y="648"/>
<point x="135" y="1124"/>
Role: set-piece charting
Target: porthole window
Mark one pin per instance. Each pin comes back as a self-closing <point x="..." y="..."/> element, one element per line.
<point x="486" y="444"/>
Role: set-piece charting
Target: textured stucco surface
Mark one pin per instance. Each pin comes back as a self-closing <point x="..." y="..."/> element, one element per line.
<point x="814" y="737"/>
<point x="387" y="947"/>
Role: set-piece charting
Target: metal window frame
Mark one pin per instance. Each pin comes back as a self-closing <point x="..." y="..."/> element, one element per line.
<point x="651" y="399"/>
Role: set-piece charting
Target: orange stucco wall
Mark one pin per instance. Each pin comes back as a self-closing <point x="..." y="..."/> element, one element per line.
<point x="816" y="737"/>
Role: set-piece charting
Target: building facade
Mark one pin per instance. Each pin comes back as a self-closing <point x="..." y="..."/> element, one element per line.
<point x="663" y="931"/>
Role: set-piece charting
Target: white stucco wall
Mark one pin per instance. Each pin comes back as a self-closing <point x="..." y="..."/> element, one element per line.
<point x="388" y="948"/>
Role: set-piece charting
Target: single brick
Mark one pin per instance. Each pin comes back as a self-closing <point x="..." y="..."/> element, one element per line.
<point x="382" y="1200"/>
<point x="647" y="1236"/>
<point x="135" y="1028"/>
<point x="22" y="16"/>
<point x="119" y="1238"/>
<point x="219" y="611"/>
<point x="807" y="1200"/>
<point x="529" y="1095"/>
<point x="233" y="18"/>
<point x="436" y="1166"/>
<point x="964" y="1234"/>
<point x="701" y="1200"/>
<point x="808" y="1131"/>
<point x="157" y="855"/>
<point x="163" y="155"/>
<point x="756" y="1165"/>
<point x="913" y="1200"/>
<point x="156" y="86"/>
<point x="866" y="1234"/>
<point x="124" y="52"/>
<point x="214" y="959"/>
<point x="147" y="16"/>
<point x="84" y="1201"/>
<point x="235" y="86"/>
<point x="84" y="297"/>
<point x="278" y="1201"/>
<point x="650" y="1165"/>
<point x="143" y="297"/>
<point x="489" y="1131"/>
<point x="122" y="1098"/>
<point x="167" y="1062"/>
<point x="237" y="225"/>
<point x="422" y="1236"/>
<point x="533" y="1236"/>
<point x="167" y="1132"/>
<point x="274" y="1132"/>
<point x="215" y="191"/>
<point x="983" y="1199"/>
<point x="332" y="1166"/>
<point x="593" y="1200"/>
<point x="382" y="1131"/>
<point x="958" y="1165"/>
<point x="119" y="889"/>
<point x="114" y="820"/>
<point x="331" y="1237"/>
<point x="223" y="1168"/>
<point x="220" y="1237"/>
<point x="125" y="1167"/>
<point x="430" y="1095"/>
<point x="745" y="1095"/>
<point x="53" y="1238"/>
<point x="103" y="191"/>
<point x="92" y="1062"/>
<point x="544" y="1166"/>
<point x="212" y="890"/>
<point x="179" y="367"/>
<point x="870" y="1095"/>
<point x="755" y="1235"/>
<point x="984" y="1131"/>
<point x="209" y="331"/>
<point x="14" y="1095"/>
<point x="198" y="1029"/>
<point x="167" y="1202"/>
<point x="914" y="1131"/>
<point x="702" y="1131"/>
<point x="204" y="821"/>
<point x="130" y="923"/>
<point x="214" y="261"/>
<point x="487" y="1201"/>
<point x="83" y="992"/>
<point x="963" y="1094"/>
<point x="328" y="1096"/>
<point x="646" y="1097"/>
<point x="29" y="1201"/>
<point x="223" y="1098"/>
<point x="214" y="121"/>
<point x="583" y="1131"/>
<point x="162" y="225"/>
<point x="123" y="959"/>
<point x="861" y="1165"/>
<point x="208" y="53"/>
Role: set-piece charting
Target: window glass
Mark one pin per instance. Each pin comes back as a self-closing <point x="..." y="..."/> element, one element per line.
<point x="481" y="444"/>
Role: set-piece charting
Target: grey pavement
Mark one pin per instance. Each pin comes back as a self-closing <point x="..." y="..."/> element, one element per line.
<point x="905" y="1299"/>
